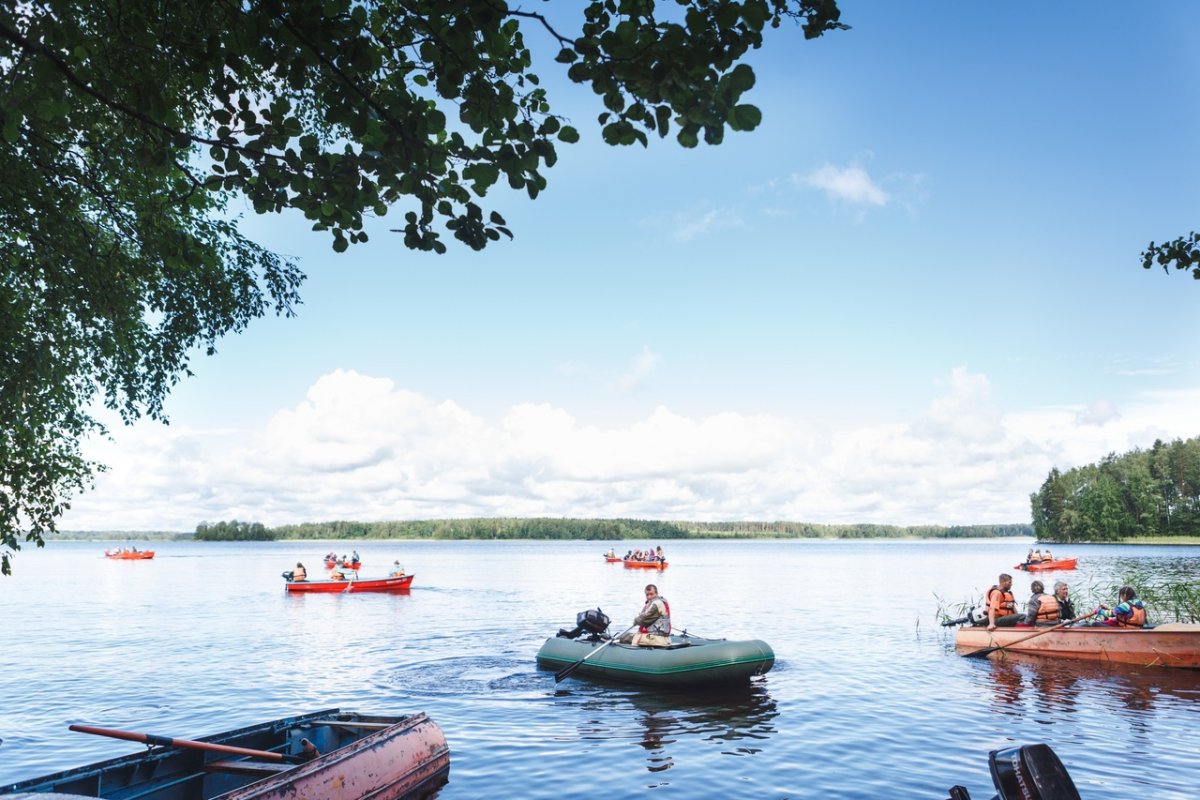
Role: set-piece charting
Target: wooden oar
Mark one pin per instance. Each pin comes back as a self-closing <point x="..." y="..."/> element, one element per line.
<point x="989" y="650"/>
<point x="166" y="741"/>
<point x="567" y="670"/>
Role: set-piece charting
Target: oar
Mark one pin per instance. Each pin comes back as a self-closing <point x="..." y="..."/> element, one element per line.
<point x="567" y="670"/>
<point x="989" y="650"/>
<point x="166" y="741"/>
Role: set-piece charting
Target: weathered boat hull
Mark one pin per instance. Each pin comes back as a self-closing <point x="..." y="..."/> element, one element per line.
<point x="690" y="661"/>
<point x="376" y="757"/>
<point x="351" y="586"/>
<point x="646" y="564"/>
<point x="1174" y="645"/>
<point x="1044" y="566"/>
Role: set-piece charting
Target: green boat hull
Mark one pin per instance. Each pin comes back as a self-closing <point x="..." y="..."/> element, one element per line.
<point x="689" y="661"/>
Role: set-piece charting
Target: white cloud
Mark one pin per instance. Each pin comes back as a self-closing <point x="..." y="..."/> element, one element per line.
<point x="849" y="184"/>
<point x="358" y="447"/>
<point x="686" y="227"/>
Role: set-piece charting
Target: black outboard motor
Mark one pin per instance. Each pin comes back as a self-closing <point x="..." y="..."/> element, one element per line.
<point x="1028" y="772"/>
<point x="287" y="576"/>
<point x="970" y="618"/>
<point x="593" y="622"/>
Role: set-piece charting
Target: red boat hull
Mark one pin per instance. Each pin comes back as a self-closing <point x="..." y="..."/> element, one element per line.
<point x="138" y="556"/>
<point x="646" y="564"/>
<point x="400" y="584"/>
<point x="1043" y="566"/>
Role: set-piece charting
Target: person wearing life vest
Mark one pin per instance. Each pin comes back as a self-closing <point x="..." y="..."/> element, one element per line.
<point x="299" y="573"/>
<point x="1130" y="612"/>
<point x="1001" y="605"/>
<point x="1042" y="608"/>
<point x="1066" y="609"/>
<point x="654" y="622"/>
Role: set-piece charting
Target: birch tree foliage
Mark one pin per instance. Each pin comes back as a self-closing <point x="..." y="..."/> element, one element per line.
<point x="127" y="127"/>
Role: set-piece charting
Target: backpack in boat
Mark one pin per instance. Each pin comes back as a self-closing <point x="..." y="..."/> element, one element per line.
<point x="593" y="622"/>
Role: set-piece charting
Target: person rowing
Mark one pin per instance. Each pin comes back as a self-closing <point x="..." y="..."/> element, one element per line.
<point x="653" y="623"/>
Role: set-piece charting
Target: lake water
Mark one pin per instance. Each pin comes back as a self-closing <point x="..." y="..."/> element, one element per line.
<point x="868" y="698"/>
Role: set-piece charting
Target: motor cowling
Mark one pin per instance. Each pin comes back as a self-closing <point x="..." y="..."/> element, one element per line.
<point x="593" y="622"/>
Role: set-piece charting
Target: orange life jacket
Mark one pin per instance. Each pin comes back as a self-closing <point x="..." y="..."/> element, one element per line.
<point x="1048" y="608"/>
<point x="1136" y="620"/>
<point x="1001" y="602"/>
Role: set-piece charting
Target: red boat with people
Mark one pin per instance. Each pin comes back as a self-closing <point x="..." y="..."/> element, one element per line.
<point x="1045" y="566"/>
<point x="350" y="585"/>
<point x="131" y="554"/>
<point x="629" y="562"/>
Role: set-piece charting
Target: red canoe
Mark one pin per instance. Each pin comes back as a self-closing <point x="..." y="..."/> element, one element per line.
<point x="399" y="584"/>
<point x="612" y="559"/>
<point x="1040" y="566"/>
<point x="129" y="555"/>
<point x="646" y="564"/>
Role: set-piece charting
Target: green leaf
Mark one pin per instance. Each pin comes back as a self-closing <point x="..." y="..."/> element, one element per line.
<point x="744" y="117"/>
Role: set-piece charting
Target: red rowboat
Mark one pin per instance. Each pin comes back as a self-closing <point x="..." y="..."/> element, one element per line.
<point x="397" y="584"/>
<point x="1174" y="645"/>
<point x="128" y="555"/>
<point x="1042" y="566"/>
<point x="612" y="559"/>
<point x="646" y="564"/>
<point x="358" y="756"/>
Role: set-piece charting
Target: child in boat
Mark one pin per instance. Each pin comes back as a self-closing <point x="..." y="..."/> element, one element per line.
<point x="1130" y="612"/>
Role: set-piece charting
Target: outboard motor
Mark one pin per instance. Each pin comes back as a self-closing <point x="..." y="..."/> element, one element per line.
<point x="287" y="576"/>
<point x="593" y="622"/>
<point x="1028" y="772"/>
<point x="970" y="618"/>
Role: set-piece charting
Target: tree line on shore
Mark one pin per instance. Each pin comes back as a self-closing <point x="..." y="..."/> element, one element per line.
<point x="603" y="529"/>
<point x="1140" y="494"/>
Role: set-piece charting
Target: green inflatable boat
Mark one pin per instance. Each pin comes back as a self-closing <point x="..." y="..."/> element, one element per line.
<point x="689" y="661"/>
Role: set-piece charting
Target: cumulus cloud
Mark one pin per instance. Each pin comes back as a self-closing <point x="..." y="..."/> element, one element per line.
<point x="850" y="185"/>
<point x="359" y="447"/>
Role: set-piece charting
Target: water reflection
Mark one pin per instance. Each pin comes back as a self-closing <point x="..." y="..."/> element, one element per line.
<point x="1049" y="687"/>
<point x="744" y="717"/>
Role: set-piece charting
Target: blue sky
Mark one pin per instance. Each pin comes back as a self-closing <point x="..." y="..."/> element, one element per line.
<point x="903" y="299"/>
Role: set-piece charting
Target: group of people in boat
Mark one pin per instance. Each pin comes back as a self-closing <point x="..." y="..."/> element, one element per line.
<point x="338" y="573"/>
<point x="1056" y="608"/>
<point x="650" y="555"/>
<point x="1037" y="556"/>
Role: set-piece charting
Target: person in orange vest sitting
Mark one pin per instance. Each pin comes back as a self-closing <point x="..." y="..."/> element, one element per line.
<point x="1001" y="605"/>
<point x="397" y="571"/>
<point x="654" y="622"/>
<point x="1042" y="608"/>
<point x="1130" y="612"/>
<point x="299" y="573"/>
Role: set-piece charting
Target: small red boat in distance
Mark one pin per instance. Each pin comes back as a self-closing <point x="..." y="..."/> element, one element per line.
<point x="1045" y="566"/>
<point x="400" y="583"/>
<point x="121" y="554"/>
<point x="645" y="564"/>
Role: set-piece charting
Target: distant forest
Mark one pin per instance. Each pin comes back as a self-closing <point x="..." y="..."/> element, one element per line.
<point x="602" y="529"/>
<point x="1144" y="493"/>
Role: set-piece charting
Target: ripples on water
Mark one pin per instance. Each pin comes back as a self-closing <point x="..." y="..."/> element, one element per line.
<point x="868" y="698"/>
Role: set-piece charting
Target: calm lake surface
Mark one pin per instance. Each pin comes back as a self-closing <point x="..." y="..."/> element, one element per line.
<point x="868" y="698"/>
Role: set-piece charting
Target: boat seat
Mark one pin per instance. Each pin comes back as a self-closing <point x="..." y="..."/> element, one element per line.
<point x="239" y="767"/>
